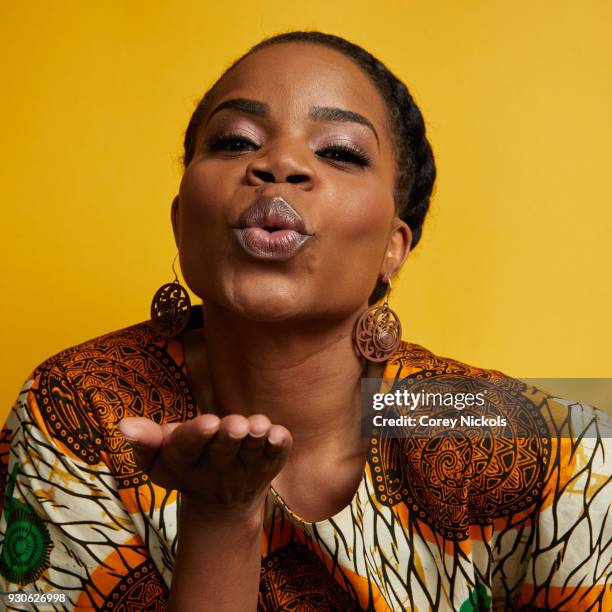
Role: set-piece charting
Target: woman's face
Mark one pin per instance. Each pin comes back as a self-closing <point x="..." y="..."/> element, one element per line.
<point x="285" y="143"/>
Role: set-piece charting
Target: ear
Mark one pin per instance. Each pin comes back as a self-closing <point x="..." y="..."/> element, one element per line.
<point x="174" y="213"/>
<point x="398" y="248"/>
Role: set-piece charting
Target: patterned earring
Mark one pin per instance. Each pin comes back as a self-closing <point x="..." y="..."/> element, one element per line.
<point x="170" y="308"/>
<point x="378" y="332"/>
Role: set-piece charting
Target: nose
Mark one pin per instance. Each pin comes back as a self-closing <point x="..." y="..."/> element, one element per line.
<point x="281" y="162"/>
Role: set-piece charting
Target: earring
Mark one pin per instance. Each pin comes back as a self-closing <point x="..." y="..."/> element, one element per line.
<point x="170" y="308"/>
<point x="378" y="332"/>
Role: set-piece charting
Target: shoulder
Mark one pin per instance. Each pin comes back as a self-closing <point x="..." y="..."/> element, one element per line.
<point x="127" y="371"/>
<point x="77" y="397"/>
<point x="133" y="355"/>
<point x="112" y="367"/>
<point x="116" y="346"/>
<point x="461" y="389"/>
<point x="130" y="372"/>
<point x="528" y="410"/>
<point x="488" y="456"/>
<point x="412" y="358"/>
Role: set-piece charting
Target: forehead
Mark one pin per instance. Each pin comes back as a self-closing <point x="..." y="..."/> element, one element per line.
<point x="294" y="76"/>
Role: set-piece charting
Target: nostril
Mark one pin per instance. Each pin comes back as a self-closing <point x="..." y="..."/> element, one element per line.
<point x="267" y="177"/>
<point x="297" y="178"/>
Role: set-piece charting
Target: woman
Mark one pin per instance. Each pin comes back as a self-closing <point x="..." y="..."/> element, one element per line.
<point x="214" y="458"/>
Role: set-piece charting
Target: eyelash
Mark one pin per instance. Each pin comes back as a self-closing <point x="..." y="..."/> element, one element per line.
<point x="357" y="156"/>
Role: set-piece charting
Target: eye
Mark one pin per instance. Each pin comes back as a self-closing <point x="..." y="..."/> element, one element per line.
<point x="231" y="143"/>
<point x="345" y="153"/>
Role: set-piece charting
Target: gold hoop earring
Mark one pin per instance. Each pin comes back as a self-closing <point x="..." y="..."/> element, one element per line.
<point x="378" y="332"/>
<point x="170" y="307"/>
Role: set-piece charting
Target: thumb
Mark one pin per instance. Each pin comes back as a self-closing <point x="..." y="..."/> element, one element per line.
<point x="146" y="438"/>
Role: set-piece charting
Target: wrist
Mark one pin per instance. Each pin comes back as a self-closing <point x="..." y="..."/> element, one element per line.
<point x="196" y="512"/>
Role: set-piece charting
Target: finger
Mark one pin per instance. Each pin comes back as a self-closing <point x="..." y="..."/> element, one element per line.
<point x="146" y="438"/>
<point x="187" y="443"/>
<point x="259" y="425"/>
<point x="278" y="442"/>
<point x="224" y="446"/>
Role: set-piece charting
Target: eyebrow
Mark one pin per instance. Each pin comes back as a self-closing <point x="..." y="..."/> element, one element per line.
<point x="316" y="113"/>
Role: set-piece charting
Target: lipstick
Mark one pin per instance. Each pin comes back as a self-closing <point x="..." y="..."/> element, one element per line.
<point x="271" y="229"/>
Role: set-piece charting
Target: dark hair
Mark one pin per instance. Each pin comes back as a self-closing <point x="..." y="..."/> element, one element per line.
<point x="415" y="166"/>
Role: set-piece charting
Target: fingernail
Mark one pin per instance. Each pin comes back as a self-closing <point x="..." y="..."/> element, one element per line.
<point x="129" y="430"/>
<point x="253" y="434"/>
<point x="275" y="439"/>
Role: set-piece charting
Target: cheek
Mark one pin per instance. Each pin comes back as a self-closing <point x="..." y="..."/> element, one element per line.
<point x="362" y="216"/>
<point x="363" y="219"/>
<point x="358" y="226"/>
<point x="202" y="226"/>
<point x="202" y="194"/>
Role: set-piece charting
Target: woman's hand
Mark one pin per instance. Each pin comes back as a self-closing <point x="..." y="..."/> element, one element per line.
<point x="219" y="464"/>
<point x="223" y="467"/>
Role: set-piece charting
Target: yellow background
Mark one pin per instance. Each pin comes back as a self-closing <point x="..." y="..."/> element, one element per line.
<point x="513" y="271"/>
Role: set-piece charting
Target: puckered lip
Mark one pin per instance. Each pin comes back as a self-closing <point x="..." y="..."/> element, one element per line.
<point x="272" y="213"/>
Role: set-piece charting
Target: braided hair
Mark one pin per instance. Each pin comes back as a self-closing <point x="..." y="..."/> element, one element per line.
<point x="415" y="171"/>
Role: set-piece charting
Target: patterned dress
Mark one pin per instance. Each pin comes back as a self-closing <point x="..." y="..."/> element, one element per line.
<point x="439" y="522"/>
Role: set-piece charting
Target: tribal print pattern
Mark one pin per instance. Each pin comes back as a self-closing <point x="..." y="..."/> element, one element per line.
<point x="472" y="521"/>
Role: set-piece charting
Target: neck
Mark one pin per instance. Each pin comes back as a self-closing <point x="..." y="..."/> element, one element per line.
<point x="305" y="376"/>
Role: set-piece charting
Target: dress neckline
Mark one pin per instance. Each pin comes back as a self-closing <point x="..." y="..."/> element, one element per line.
<point x="177" y="350"/>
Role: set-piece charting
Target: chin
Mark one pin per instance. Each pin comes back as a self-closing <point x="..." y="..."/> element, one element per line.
<point x="265" y="306"/>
